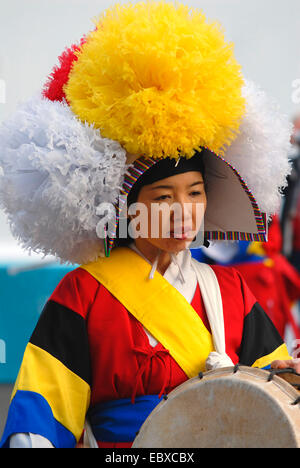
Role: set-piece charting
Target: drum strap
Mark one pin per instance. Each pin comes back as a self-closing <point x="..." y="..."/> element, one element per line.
<point x="162" y="310"/>
<point x="211" y="295"/>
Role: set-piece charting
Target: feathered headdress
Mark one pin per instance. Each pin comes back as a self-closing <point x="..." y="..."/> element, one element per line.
<point x="152" y="80"/>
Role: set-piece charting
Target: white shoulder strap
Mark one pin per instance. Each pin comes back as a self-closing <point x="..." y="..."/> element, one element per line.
<point x="211" y="295"/>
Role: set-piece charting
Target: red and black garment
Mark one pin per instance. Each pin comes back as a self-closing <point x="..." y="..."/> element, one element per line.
<point x="94" y="358"/>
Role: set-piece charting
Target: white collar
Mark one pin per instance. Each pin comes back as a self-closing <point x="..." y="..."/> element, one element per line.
<point x="179" y="273"/>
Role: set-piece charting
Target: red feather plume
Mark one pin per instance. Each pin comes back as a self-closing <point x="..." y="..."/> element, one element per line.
<point x="53" y="88"/>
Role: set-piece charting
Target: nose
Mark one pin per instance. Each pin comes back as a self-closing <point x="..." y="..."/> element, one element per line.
<point x="182" y="214"/>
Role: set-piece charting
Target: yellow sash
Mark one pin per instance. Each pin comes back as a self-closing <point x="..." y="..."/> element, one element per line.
<point x="157" y="305"/>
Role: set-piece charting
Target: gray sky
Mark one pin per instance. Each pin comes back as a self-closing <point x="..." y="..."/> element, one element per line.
<point x="33" y="33"/>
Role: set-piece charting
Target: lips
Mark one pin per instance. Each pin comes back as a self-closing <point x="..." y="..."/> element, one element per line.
<point x="181" y="233"/>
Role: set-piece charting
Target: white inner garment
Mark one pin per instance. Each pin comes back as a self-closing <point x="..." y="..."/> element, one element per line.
<point x="179" y="274"/>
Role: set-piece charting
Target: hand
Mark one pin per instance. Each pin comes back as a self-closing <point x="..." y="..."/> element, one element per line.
<point x="292" y="363"/>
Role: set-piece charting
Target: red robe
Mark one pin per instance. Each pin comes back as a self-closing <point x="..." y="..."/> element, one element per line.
<point x="274" y="281"/>
<point x="93" y="337"/>
<point x="120" y="347"/>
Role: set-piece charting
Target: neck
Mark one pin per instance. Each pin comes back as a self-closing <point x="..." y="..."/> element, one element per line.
<point x="150" y="252"/>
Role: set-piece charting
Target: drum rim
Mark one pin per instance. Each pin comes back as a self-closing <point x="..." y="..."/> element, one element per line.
<point x="260" y="374"/>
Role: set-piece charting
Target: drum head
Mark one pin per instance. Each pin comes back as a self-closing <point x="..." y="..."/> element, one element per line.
<point x="225" y="409"/>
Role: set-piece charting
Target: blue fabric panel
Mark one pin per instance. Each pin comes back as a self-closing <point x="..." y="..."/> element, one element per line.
<point x="120" y="420"/>
<point x="30" y="412"/>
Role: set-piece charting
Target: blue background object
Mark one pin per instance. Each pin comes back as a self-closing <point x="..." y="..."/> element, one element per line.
<point x="24" y="290"/>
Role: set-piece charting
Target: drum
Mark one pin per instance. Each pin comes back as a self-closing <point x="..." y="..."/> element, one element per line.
<point x="236" y="407"/>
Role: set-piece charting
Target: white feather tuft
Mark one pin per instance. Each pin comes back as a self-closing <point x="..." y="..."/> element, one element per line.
<point x="260" y="152"/>
<point x="55" y="173"/>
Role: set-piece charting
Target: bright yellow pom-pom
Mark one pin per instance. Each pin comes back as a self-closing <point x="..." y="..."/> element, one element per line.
<point x="159" y="79"/>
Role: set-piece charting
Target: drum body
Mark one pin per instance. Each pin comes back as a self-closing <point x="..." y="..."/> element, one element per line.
<point x="226" y="408"/>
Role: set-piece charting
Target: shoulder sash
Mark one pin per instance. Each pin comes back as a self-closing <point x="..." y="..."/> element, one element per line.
<point x="157" y="305"/>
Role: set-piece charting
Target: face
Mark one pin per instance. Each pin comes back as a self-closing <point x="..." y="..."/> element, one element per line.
<point x="170" y="212"/>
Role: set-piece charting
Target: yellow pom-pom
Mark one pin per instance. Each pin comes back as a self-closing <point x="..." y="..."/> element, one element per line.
<point x="159" y="79"/>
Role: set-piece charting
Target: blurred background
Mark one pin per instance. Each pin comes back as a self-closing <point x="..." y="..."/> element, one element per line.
<point x="266" y="33"/>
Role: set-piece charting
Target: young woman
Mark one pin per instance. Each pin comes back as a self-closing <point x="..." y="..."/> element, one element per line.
<point x="123" y="329"/>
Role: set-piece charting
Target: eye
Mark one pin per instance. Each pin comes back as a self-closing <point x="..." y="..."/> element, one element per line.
<point x="195" y="193"/>
<point x="162" y="197"/>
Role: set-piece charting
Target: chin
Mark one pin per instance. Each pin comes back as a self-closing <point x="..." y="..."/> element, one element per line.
<point x="174" y="245"/>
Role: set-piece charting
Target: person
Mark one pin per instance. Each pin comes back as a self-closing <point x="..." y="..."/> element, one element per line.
<point x="290" y="213"/>
<point x="148" y="124"/>
<point x="270" y="276"/>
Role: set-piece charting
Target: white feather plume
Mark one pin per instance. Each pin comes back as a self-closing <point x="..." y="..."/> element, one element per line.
<point x="55" y="173"/>
<point x="260" y="152"/>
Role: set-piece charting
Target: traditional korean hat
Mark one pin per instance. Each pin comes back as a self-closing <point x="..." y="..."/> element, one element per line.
<point x="153" y="80"/>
